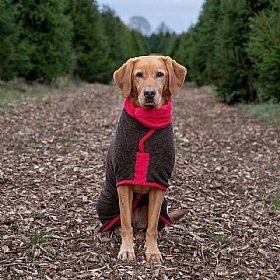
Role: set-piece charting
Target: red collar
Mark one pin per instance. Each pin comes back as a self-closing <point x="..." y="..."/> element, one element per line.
<point x="151" y="118"/>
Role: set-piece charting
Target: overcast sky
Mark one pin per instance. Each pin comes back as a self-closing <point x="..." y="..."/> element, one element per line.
<point x="177" y="14"/>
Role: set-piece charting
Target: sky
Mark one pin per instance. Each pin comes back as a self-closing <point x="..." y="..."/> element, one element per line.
<point x="178" y="15"/>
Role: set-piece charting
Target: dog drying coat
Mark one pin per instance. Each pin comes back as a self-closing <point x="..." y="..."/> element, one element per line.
<point x="141" y="153"/>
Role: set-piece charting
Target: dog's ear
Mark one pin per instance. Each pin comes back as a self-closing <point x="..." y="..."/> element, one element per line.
<point x="177" y="75"/>
<point x="122" y="77"/>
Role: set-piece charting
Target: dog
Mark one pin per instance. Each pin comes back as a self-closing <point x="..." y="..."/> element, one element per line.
<point x="141" y="156"/>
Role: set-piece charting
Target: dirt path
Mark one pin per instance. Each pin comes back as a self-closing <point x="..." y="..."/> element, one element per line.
<point x="52" y="169"/>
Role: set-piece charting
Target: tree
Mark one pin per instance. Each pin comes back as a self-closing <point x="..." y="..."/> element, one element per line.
<point x="124" y="42"/>
<point x="204" y="42"/>
<point x="231" y="63"/>
<point x="264" y="52"/>
<point x="163" y="29"/>
<point x="116" y="34"/>
<point x="14" y="51"/>
<point x="47" y="33"/>
<point x="90" y="43"/>
<point x="140" y="24"/>
<point x="159" y="41"/>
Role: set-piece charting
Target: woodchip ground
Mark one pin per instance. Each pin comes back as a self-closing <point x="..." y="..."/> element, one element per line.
<point x="52" y="168"/>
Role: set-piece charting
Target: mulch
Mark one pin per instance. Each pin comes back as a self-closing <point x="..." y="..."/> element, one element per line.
<point x="52" y="168"/>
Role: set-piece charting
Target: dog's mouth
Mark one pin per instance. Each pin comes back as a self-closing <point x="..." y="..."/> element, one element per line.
<point x="149" y="101"/>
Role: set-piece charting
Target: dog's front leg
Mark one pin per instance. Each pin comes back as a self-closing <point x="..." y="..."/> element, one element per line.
<point x="125" y="193"/>
<point x="156" y="197"/>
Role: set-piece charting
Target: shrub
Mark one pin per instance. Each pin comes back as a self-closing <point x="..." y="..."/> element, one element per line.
<point x="15" y="52"/>
<point x="264" y="51"/>
<point x="47" y="31"/>
<point x="91" y="47"/>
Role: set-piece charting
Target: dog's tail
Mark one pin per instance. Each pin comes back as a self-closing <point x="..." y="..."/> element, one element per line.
<point x="174" y="216"/>
<point x="177" y="215"/>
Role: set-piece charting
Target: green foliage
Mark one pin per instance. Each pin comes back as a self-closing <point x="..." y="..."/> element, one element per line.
<point x="231" y="63"/>
<point x="265" y="112"/>
<point x="162" y="42"/>
<point x="220" y="238"/>
<point x="139" y="44"/>
<point x="203" y="43"/>
<point x="115" y="33"/>
<point x="15" y="51"/>
<point x="44" y="40"/>
<point x="47" y="31"/>
<point x="124" y="43"/>
<point x="235" y="46"/>
<point x="36" y="238"/>
<point x="264" y="52"/>
<point x="89" y="42"/>
<point x="184" y="49"/>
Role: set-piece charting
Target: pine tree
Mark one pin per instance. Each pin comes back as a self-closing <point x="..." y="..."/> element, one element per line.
<point x="47" y="31"/>
<point x="139" y="44"/>
<point x="184" y="49"/>
<point x="89" y="42"/>
<point x="202" y="59"/>
<point x="231" y="63"/>
<point x="115" y="33"/>
<point x="264" y="52"/>
<point x="15" y="53"/>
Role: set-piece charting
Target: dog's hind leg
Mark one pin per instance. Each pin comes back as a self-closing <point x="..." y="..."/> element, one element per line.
<point x="125" y="193"/>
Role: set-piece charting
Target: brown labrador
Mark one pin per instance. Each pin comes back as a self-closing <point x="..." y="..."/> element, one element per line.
<point x="148" y="82"/>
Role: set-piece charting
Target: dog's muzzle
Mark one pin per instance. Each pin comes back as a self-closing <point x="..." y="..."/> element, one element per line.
<point x="149" y="94"/>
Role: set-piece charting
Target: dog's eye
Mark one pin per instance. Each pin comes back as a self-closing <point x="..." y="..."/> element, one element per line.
<point x="139" y="75"/>
<point x="160" y="74"/>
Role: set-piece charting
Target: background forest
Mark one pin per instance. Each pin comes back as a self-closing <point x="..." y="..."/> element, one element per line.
<point x="235" y="45"/>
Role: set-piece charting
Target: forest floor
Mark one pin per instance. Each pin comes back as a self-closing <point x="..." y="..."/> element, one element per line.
<point x="52" y="168"/>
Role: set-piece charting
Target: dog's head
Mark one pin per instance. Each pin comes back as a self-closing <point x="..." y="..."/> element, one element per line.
<point x="150" y="80"/>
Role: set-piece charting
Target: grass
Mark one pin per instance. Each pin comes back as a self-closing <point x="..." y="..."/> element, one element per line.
<point x="19" y="91"/>
<point x="37" y="238"/>
<point x="24" y="142"/>
<point x="210" y="89"/>
<point x="275" y="204"/>
<point x="220" y="238"/>
<point x="274" y="207"/>
<point x="266" y="112"/>
<point x="65" y="141"/>
<point x="17" y="273"/>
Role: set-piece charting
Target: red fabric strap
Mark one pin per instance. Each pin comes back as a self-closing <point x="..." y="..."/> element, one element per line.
<point x="141" y="142"/>
<point x="136" y="201"/>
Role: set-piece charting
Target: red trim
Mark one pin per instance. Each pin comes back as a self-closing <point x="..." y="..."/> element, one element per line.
<point x="136" y="201"/>
<point x="115" y="220"/>
<point x="146" y="184"/>
<point x="166" y="221"/>
<point x="141" y="142"/>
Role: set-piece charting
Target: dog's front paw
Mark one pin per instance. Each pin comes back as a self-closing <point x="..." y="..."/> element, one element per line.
<point x="153" y="257"/>
<point x="126" y="255"/>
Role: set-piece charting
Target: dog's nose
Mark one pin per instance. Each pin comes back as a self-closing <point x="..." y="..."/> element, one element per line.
<point x="149" y="93"/>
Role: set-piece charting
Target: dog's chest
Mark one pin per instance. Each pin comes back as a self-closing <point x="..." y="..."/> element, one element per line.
<point x="133" y="140"/>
